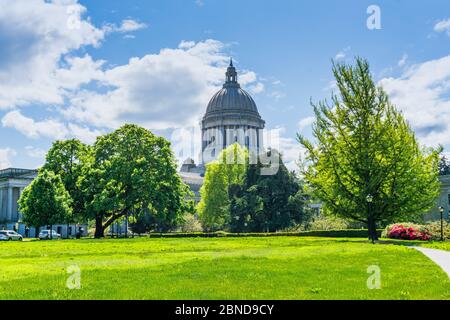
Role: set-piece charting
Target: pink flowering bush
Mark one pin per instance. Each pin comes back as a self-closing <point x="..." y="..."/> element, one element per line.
<point x="407" y="231"/>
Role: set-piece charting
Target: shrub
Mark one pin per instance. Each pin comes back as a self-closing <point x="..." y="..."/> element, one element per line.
<point x="190" y="224"/>
<point x="350" y="233"/>
<point x="435" y="230"/>
<point x="407" y="231"/>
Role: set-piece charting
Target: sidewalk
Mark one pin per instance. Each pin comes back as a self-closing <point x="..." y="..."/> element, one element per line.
<point x="440" y="257"/>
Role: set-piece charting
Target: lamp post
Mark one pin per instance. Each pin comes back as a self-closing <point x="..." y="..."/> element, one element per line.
<point x="441" y="210"/>
<point x="372" y="233"/>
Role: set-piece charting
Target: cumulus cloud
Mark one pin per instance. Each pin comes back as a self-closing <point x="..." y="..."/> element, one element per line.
<point x="35" y="36"/>
<point x="5" y="157"/>
<point x="290" y="148"/>
<point x="423" y="94"/>
<point x="48" y="128"/>
<point x="443" y="26"/>
<point x="166" y="90"/>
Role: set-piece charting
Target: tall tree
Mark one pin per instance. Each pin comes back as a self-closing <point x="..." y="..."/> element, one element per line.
<point x="66" y="158"/>
<point x="45" y="201"/>
<point x="131" y="169"/>
<point x="267" y="203"/>
<point x="366" y="164"/>
<point x="228" y="169"/>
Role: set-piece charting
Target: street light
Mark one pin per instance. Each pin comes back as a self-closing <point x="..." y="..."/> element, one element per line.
<point x="441" y="210"/>
<point x="372" y="233"/>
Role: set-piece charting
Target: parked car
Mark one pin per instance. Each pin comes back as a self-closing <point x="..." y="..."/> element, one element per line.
<point x="8" y="235"/>
<point x="45" y="235"/>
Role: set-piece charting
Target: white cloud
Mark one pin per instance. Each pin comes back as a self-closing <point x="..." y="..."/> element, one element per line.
<point x="342" y="54"/>
<point x="35" y="36"/>
<point x="306" y="122"/>
<point x="290" y="148"/>
<point x="403" y="60"/>
<point x="48" y="128"/>
<point x="443" y="26"/>
<point x="36" y="153"/>
<point x="166" y="90"/>
<point x="127" y="25"/>
<point x="423" y="94"/>
<point x="5" y="157"/>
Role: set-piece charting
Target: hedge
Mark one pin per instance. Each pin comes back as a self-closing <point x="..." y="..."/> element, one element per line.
<point x="349" y="233"/>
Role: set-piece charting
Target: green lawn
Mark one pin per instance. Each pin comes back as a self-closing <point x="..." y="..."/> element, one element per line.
<point x="224" y="268"/>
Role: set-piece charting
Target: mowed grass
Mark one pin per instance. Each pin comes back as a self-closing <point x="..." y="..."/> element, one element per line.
<point x="227" y="268"/>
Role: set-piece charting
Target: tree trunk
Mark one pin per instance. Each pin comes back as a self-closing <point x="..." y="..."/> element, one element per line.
<point x="99" y="229"/>
<point x="372" y="227"/>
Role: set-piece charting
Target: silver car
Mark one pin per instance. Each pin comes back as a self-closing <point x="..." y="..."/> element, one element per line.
<point x="45" y="235"/>
<point x="8" y="235"/>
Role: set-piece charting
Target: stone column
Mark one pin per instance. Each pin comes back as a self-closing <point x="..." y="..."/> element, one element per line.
<point x="19" y="214"/>
<point x="9" y="208"/>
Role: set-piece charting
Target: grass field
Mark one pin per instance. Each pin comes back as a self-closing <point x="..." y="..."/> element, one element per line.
<point x="228" y="268"/>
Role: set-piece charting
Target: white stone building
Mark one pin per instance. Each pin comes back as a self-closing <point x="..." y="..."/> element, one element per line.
<point x="12" y="183"/>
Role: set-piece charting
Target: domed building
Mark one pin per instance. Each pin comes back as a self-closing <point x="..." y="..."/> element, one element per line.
<point x="231" y="116"/>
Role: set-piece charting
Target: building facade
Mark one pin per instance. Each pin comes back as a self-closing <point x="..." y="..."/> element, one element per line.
<point x="12" y="183"/>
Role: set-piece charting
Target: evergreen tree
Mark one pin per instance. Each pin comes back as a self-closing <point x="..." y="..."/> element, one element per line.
<point x="267" y="203"/>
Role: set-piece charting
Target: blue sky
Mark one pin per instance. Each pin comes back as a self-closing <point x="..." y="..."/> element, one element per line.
<point x="81" y="68"/>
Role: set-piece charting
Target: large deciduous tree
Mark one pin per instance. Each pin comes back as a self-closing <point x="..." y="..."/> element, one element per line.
<point x="66" y="159"/>
<point x="228" y="169"/>
<point x="132" y="169"/>
<point x="45" y="202"/>
<point x="366" y="164"/>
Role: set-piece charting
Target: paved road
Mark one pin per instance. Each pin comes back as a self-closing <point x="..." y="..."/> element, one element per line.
<point x="440" y="257"/>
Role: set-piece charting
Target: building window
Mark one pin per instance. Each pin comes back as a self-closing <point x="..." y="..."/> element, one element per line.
<point x="213" y="153"/>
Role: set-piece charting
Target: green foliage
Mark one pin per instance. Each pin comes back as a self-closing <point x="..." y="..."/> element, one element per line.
<point x="228" y="169"/>
<point x="190" y="224"/>
<point x="329" y="223"/>
<point x="349" y="233"/>
<point x="142" y="222"/>
<point x="65" y="158"/>
<point x="132" y="169"/>
<point x="364" y="150"/>
<point x="432" y="228"/>
<point x="267" y="203"/>
<point x="45" y="201"/>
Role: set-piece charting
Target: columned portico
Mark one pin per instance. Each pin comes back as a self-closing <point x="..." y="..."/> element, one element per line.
<point x="12" y="184"/>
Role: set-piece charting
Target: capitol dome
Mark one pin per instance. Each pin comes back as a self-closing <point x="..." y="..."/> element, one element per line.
<point x="231" y="116"/>
<point x="232" y="97"/>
